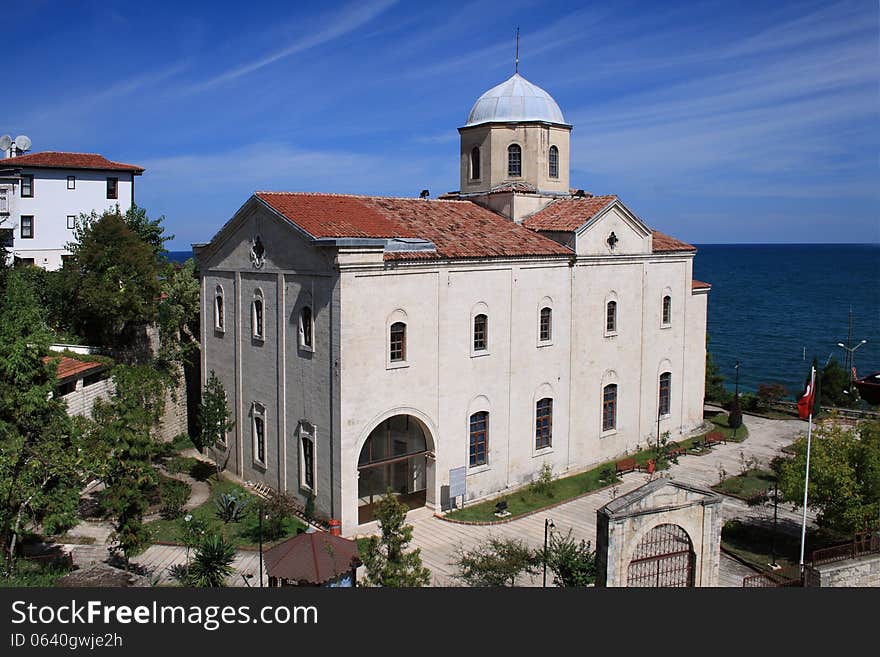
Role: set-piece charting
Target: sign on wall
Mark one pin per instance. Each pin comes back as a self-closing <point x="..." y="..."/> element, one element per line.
<point x="457" y="482"/>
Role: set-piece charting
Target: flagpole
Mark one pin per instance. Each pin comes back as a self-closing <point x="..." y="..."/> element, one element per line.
<point x="807" y="474"/>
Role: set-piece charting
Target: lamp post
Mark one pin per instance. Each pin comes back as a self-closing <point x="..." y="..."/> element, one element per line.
<point x="548" y="525"/>
<point x="736" y="396"/>
<point x="850" y="360"/>
<point x="260" y="524"/>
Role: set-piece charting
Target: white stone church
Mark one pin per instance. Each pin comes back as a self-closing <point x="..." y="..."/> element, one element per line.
<point x="368" y="343"/>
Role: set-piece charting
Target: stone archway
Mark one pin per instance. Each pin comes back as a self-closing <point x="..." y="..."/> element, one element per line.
<point x="663" y="558"/>
<point x="397" y="455"/>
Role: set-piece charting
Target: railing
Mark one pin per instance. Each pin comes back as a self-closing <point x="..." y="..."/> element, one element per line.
<point x="852" y="413"/>
<point x="770" y="581"/>
<point x="861" y="544"/>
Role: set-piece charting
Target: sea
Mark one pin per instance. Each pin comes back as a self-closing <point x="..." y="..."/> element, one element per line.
<point x="774" y="307"/>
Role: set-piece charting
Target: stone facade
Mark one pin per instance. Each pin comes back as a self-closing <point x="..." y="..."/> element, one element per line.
<point x="857" y="572"/>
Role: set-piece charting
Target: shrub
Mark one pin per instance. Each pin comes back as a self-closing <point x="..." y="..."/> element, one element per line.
<point x="230" y="508"/>
<point x="572" y="562"/>
<point x="735" y="419"/>
<point x="174" y="495"/>
<point x="543" y="485"/>
<point x="770" y="394"/>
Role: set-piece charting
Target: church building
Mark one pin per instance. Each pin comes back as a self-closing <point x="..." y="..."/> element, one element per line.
<point x="368" y="343"/>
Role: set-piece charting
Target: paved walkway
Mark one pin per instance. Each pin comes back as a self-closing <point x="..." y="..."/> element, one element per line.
<point x="439" y="539"/>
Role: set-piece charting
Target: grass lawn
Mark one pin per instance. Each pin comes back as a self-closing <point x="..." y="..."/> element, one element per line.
<point x="746" y="486"/>
<point x="33" y="573"/>
<point x="720" y="422"/>
<point x="243" y="534"/>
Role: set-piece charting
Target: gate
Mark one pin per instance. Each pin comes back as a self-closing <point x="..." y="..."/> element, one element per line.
<point x="663" y="558"/>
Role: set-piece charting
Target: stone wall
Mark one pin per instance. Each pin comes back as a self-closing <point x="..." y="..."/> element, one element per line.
<point x="81" y="400"/>
<point x="858" y="572"/>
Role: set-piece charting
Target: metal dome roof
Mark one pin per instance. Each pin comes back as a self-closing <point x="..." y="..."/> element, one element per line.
<point x="515" y="99"/>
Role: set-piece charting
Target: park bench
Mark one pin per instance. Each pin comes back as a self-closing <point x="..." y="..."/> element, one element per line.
<point x="715" y="438"/>
<point x="626" y="465"/>
<point x="674" y="452"/>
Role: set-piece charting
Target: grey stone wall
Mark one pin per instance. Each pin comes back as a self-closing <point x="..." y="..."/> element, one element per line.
<point x="82" y="400"/>
<point x="858" y="572"/>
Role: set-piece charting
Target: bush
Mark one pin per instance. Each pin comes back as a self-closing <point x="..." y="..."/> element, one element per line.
<point x="735" y="419"/>
<point x="174" y="495"/>
<point x="230" y="508"/>
<point x="572" y="562"/>
<point x="543" y="485"/>
<point x="770" y="394"/>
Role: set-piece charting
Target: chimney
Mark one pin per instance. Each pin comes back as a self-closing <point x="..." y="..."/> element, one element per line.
<point x="335" y="528"/>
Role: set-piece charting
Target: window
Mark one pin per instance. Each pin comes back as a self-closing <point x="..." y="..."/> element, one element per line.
<point x="479" y="438"/>
<point x="398" y="342"/>
<point x="305" y="328"/>
<point x="112" y="187"/>
<point x="219" y="319"/>
<point x="27" y="227"/>
<point x="27" y="186"/>
<point x="92" y="379"/>
<point x="609" y="407"/>
<point x="475" y="163"/>
<point x="71" y="221"/>
<point x="481" y="332"/>
<point x="667" y="310"/>
<point x="259" y="433"/>
<point x="544" y="423"/>
<point x="665" y="393"/>
<point x="64" y="389"/>
<point x="545" y="325"/>
<point x="554" y="162"/>
<point x="514" y="161"/>
<point x="611" y="317"/>
<point x="257" y="316"/>
<point x="71" y="182"/>
<point x="4" y="202"/>
<point x="308" y="456"/>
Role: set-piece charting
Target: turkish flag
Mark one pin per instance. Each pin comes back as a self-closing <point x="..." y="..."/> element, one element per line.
<point x="805" y="403"/>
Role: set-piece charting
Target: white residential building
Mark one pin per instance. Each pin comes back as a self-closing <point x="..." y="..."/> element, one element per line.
<point x="42" y="194"/>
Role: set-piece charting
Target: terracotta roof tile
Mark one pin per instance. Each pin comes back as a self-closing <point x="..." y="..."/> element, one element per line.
<point x="60" y="160"/>
<point x="458" y="229"/>
<point x="568" y="214"/>
<point x="72" y="367"/>
<point x="663" y="242"/>
<point x="315" y="558"/>
<point x="700" y="285"/>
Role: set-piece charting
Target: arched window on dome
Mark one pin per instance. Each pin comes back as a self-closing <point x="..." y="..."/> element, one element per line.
<point x="475" y="163"/>
<point x="514" y="161"/>
<point x="554" y="162"/>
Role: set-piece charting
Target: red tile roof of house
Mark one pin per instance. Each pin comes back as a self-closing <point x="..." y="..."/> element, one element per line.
<point x="72" y="367"/>
<point x="568" y="214"/>
<point x="663" y="242"/>
<point x="700" y="285"/>
<point x="458" y="229"/>
<point x="314" y="558"/>
<point x="60" y="160"/>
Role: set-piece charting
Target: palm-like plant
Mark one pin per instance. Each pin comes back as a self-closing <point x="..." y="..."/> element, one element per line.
<point x="212" y="563"/>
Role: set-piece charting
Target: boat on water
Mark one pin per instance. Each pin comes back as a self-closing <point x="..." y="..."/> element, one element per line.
<point x="869" y="388"/>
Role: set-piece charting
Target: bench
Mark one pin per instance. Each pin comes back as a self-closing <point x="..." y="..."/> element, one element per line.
<point x="626" y="465"/>
<point x="674" y="452"/>
<point x="715" y="438"/>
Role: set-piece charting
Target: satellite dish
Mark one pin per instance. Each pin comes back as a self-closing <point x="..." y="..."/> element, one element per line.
<point x="5" y="142"/>
<point x="23" y="142"/>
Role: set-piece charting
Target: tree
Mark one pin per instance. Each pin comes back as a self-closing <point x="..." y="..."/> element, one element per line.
<point x="112" y="280"/>
<point x="178" y="312"/>
<point x="572" y="562"/>
<point x="735" y="418"/>
<point x="212" y="563"/>
<point x="386" y="560"/>
<point x="214" y="416"/>
<point x="44" y="458"/>
<point x="770" y="394"/>
<point x="715" y="389"/>
<point x="150" y="231"/>
<point x="124" y="427"/>
<point x="833" y="381"/>
<point x="844" y="476"/>
<point x="497" y="562"/>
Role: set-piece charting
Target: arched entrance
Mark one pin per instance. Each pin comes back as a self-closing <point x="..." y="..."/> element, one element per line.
<point x="395" y="456"/>
<point x="663" y="558"/>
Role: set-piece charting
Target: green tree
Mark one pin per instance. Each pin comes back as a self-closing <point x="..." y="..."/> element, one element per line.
<point x="124" y="427"/>
<point x="572" y="562"/>
<point x="212" y="563"/>
<point x="386" y="560"/>
<point x="715" y="390"/>
<point x="44" y="458"/>
<point x="178" y="312"/>
<point x="833" y="381"/>
<point x="844" y="476"/>
<point x="735" y="417"/>
<point x="770" y="394"/>
<point x="214" y="415"/>
<point x="111" y="280"/>
<point x="150" y="231"/>
<point x="497" y="562"/>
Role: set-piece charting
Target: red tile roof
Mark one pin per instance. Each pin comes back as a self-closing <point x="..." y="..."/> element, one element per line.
<point x="60" y="160"/>
<point x="71" y="367"/>
<point x="568" y="214"/>
<point x="700" y="285"/>
<point x="458" y="229"/>
<point x="663" y="242"/>
<point x="314" y="558"/>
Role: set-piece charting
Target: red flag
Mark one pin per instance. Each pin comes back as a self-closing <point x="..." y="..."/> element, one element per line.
<point x="805" y="403"/>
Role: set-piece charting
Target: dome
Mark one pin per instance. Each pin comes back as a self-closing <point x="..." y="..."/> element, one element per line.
<point x="515" y="99"/>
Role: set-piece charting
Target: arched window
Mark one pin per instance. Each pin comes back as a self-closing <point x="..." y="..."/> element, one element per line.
<point x="219" y="319"/>
<point x="257" y="316"/>
<point x="305" y="328"/>
<point x="479" y="439"/>
<point x="611" y="317"/>
<point x="397" y="344"/>
<point x="609" y="407"/>
<point x="544" y="423"/>
<point x="554" y="162"/>
<point x="667" y="309"/>
<point x="665" y="393"/>
<point x="514" y="161"/>
<point x="258" y="429"/>
<point x="545" y="325"/>
<point x="481" y="332"/>
<point x="475" y="163"/>
<point x="307" y="463"/>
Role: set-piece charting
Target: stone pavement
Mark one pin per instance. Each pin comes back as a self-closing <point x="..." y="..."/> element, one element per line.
<point x="439" y="539"/>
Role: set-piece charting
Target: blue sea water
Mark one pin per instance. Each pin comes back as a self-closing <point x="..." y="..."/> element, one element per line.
<point x="775" y="306"/>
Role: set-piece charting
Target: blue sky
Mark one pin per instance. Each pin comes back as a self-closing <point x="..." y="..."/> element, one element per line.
<point x="718" y="121"/>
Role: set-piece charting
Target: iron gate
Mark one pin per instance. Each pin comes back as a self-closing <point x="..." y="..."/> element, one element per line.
<point x="663" y="558"/>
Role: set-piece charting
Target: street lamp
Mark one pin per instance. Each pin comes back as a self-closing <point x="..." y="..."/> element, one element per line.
<point x="850" y="360"/>
<point x="736" y="396"/>
<point x="548" y="525"/>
